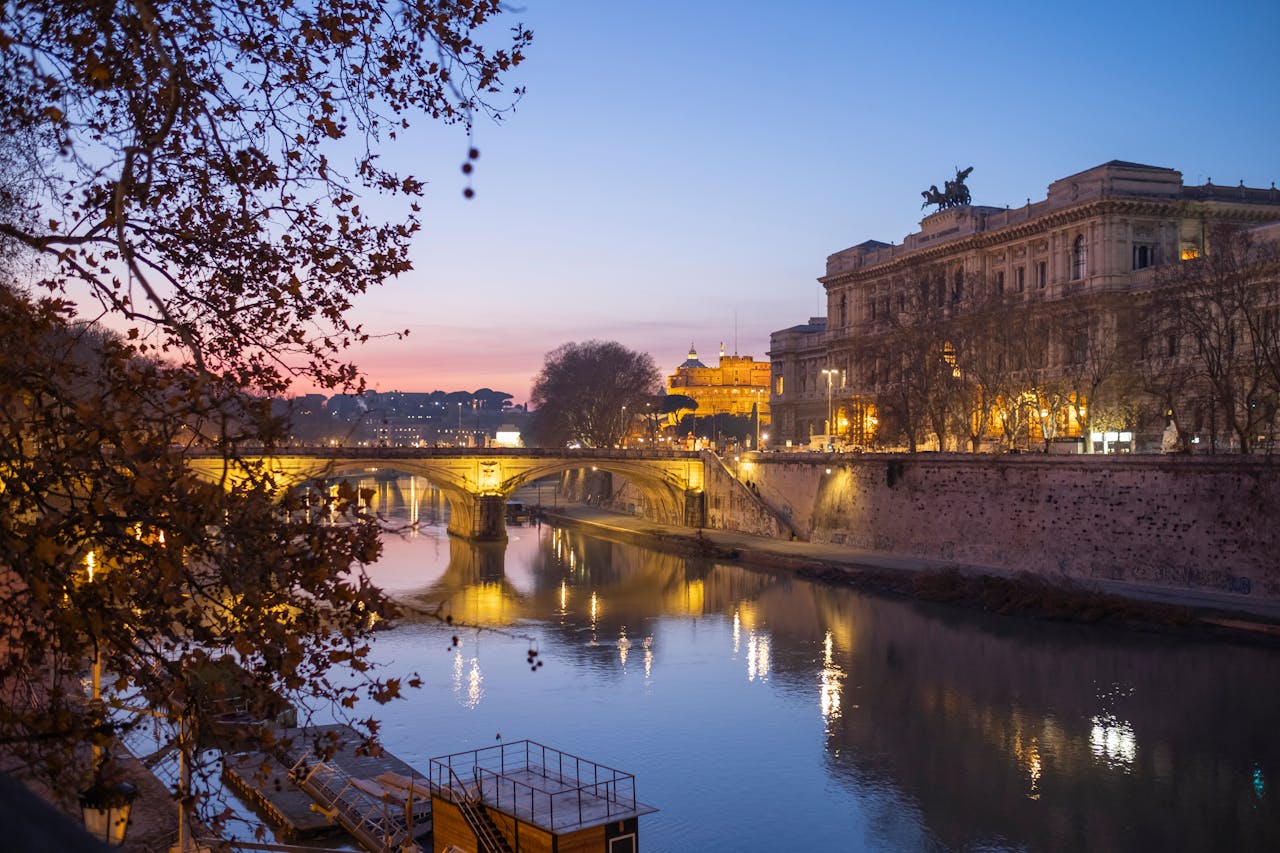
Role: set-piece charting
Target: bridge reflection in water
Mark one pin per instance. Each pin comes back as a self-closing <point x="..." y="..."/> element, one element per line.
<point x="761" y="711"/>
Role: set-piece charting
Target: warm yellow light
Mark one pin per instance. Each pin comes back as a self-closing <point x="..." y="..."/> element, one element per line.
<point x="90" y="562"/>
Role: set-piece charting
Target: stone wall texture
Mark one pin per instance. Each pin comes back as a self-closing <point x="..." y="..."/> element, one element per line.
<point x="1194" y="522"/>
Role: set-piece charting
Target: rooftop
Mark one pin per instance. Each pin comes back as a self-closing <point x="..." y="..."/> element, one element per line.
<point x="550" y="789"/>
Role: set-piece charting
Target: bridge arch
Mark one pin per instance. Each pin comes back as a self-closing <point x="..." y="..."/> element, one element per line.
<point x="478" y="482"/>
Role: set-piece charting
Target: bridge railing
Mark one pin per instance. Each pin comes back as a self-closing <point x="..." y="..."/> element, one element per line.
<point x="343" y="452"/>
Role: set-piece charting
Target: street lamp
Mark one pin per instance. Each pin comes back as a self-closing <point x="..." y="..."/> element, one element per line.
<point x="104" y="807"/>
<point x="830" y="373"/>
<point x="757" y="392"/>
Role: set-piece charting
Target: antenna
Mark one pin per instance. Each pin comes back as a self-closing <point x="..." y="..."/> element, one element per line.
<point x="735" y="326"/>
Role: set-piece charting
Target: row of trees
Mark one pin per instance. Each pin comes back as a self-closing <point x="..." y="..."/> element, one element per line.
<point x="195" y="175"/>
<point x="960" y="366"/>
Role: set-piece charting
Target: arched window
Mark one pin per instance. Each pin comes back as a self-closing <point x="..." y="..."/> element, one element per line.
<point x="1079" y="258"/>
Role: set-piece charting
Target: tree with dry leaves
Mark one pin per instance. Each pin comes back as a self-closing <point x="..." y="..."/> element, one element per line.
<point x="585" y="390"/>
<point x="199" y="175"/>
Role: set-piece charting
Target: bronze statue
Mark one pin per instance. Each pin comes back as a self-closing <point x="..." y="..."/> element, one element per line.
<point x="956" y="193"/>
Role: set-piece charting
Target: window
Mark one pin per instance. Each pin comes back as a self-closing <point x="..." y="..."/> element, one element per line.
<point x="1077" y="346"/>
<point x="1189" y="251"/>
<point x="1000" y="282"/>
<point x="1171" y="345"/>
<point x="1079" y="259"/>
<point x="1020" y="279"/>
<point x="957" y="292"/>
<point x="844" y="307"/>
<point x="871" y="305"/>
<point x="1042" y="274"/>
<point x="623" y="844"/>
<point x="777" y="385"/>
<point x="940" y="290"/>
<point x="1143" y="256"/>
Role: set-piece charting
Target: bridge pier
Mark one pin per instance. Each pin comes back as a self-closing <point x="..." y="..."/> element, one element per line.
<point x="695" y="508"/>
<point x="483" y="520"/>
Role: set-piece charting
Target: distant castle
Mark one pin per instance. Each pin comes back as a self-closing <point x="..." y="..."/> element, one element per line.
<point x="738" y="385"/>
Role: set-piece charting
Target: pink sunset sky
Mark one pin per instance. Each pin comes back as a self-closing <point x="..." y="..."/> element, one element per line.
<point x="679" y="172"/>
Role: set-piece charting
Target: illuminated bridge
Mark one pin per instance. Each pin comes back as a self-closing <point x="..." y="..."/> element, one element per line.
<point x="477" y="482"/>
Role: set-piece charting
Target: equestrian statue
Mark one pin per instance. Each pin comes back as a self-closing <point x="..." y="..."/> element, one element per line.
<point x="956" y="194"/>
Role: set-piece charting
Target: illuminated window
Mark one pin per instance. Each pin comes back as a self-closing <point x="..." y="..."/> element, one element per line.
<point x="777" y="385"/>
<point x="1079" y="259"/>
<point x="1190" y="251"/>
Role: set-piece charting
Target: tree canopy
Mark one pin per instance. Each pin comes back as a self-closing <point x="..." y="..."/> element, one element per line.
<point x="584" y="391"/>
<point x="199" y="172"/>
<point x="205" y="162"/>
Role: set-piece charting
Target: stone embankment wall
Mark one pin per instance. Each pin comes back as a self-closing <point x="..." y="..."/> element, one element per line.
<point x="733" y="503"/>
<point x="1193" y="522"/>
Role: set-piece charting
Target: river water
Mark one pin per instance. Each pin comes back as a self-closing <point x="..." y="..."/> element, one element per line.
<point x="759" y="711"/>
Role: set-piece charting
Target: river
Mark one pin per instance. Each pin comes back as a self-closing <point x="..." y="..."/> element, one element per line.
<point x="762" y="712"/>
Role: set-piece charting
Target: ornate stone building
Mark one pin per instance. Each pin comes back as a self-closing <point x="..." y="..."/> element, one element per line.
<point x="736" y="386"/>
<point x="1062" y="285"/>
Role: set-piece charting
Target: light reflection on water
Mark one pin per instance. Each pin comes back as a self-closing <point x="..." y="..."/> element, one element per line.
<point x="762" y="712"/>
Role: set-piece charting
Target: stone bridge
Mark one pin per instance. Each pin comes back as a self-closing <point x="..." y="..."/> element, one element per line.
<point x="478" y="482"/>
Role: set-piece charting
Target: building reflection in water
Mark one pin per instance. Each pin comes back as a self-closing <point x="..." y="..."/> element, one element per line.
<point x="987" y="732"/>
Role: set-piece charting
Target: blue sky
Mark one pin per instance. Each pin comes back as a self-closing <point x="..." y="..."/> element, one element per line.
<point x="681" y="169"/>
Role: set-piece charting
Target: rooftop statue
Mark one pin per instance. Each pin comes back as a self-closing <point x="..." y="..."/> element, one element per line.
<point x="956" y="193"/>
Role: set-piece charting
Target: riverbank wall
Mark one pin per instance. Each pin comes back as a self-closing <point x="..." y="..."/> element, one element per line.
<point x="1183" y="522"/>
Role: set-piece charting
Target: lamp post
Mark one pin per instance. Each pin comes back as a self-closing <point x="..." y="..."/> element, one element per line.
<point x="830" y="373"/>
<point x="757" y="407"/>
<point x="104" y="806"/>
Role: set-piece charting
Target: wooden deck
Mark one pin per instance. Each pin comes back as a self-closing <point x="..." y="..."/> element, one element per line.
<point x="296" y="812"/>
<point x="540" y="785"/>
<point x="561" y="804"/>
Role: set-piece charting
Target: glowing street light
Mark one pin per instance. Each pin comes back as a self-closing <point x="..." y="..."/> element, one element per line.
<point x="830" y="373"/>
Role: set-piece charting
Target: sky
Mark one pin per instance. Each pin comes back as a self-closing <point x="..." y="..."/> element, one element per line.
<point x="679" y="171"/>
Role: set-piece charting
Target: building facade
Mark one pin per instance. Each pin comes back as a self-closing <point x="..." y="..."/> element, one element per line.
<point x="737" y="385"/>
<point x="1008" y="325"/>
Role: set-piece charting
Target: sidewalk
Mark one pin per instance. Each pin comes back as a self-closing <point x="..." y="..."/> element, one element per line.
<point x="899" y="574"/>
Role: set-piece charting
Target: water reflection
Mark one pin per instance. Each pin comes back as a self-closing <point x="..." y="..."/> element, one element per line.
<point x="939" y="729"/>
<point x="830" y="682"/>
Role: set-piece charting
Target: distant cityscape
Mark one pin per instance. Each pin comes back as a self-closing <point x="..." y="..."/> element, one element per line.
<point x="406" y="418"/>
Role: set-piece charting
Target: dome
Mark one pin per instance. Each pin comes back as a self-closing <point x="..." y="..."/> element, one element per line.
<point x="692" y="360"/>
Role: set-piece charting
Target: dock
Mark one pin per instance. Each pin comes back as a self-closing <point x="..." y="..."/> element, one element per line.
<point x="379" y="800"/>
